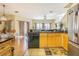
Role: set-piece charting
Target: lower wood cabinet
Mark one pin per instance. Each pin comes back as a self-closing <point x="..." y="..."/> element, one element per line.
<point x="6" y="48"/>
<point x="65" y="41"/>
<point x="43" y="40"/>
<point x="48" y="39"/>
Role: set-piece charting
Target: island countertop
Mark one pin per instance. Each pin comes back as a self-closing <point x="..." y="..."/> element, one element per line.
<point x="6" y="47"/>
<point x="4" y="40"/>
<point x="52" y="32"/>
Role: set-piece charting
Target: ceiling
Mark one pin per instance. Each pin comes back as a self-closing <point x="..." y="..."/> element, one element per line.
<point x="35" y="10"/>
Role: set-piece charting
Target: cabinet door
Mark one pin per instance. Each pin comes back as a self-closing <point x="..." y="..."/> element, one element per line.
<point x="43" y="40"/>
<point x="53" y="40"/>
<point x="58" y="40"/>
<point x="65" y="41"/>
<point x="49" y="40"/>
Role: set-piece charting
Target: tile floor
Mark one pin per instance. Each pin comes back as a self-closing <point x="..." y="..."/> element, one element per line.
<point x="47" y="52"/>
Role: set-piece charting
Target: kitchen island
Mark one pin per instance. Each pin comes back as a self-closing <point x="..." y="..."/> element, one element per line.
<point x="53" y="39"/>
<point x="6" y="47"/>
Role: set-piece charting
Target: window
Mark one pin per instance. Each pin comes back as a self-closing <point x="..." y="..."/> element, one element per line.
<point x="43" y="26"/>
<point x="47" y="26"/>
<point x="39" y="26"/>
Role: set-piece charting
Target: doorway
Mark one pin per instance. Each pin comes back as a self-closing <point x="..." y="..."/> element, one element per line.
<point x="21" y="28"/>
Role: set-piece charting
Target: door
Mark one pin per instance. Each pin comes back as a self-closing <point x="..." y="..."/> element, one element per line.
<point x="27" y="25"/>
<point x="21" y="28"/>
<point x="26" y="28"/>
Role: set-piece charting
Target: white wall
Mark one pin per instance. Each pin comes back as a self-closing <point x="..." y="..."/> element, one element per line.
<point x="17" y="19"/>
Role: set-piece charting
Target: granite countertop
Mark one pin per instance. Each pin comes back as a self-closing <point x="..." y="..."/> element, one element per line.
<point x="4" y="40"/>
<point x="5" y="37"/>
<point x="52" y="32"/>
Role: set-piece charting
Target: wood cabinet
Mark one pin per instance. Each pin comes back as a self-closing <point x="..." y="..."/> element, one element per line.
<point x="65" y="41"/>
<point x="50" y="39"/>
<point x="6" y="48"/>
<point x="43" y="40"/>
<point x="54" y="40"/>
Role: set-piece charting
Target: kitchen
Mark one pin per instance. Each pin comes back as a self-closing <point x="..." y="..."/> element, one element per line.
<point x="39" y="30"/>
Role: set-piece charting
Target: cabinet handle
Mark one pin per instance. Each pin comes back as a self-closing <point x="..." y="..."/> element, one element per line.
<point x="2" y="47"/>
<point x="12" y="51"/>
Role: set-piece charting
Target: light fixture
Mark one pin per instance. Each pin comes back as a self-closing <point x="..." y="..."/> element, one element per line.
<point x="3" y="18"/>
<point x="45" y="17"/>
<point x="50" y="11"/>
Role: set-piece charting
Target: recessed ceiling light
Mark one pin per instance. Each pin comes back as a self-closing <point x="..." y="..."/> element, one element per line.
<point x="50" y="11"/>
<point x="16" y="11"/>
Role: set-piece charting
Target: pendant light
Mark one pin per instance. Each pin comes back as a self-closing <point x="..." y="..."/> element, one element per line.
<point x="45" y="18"/>
<point x="3" y="18"/>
